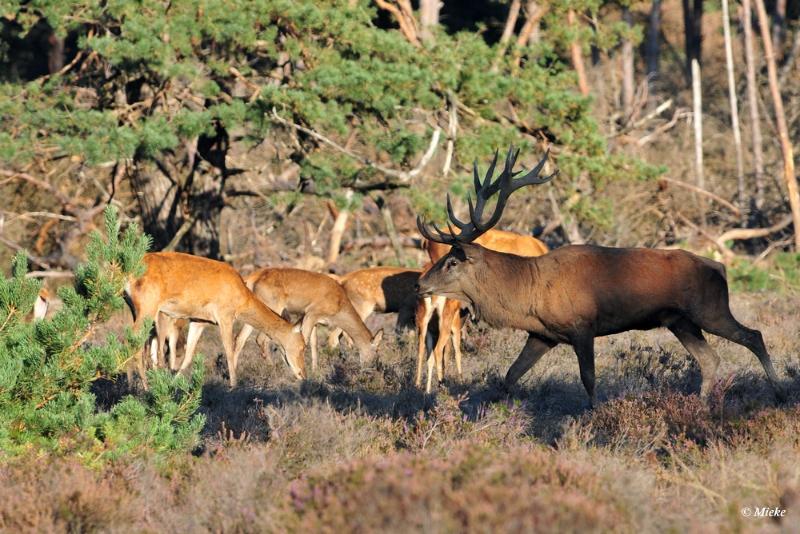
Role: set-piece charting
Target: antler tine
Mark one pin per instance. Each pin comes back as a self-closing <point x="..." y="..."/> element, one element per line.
<point x="489" y="172"/>
<point x="532" y="177"/>
<point x="484" y="190"/>
<point x="452" y="216"/>
<point x="427" y="234"/>
<point x="476" y="179"/>
<point x="507" y="174"/>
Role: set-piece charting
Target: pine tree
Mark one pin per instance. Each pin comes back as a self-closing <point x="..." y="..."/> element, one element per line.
<point x="48" y="366"/>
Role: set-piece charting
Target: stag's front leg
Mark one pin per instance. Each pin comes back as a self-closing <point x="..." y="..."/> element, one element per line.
<point x="533" y="350"/>
<point x="584" y="348"/>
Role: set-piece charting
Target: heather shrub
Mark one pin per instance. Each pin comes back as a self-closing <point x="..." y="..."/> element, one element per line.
<point x="474" y="488"/>
<point x="652" y="422"/>
<point x="61" y="496"/>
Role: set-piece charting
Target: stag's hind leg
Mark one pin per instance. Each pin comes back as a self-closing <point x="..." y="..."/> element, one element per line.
<point x="535" y="347"/>
<point x="728" y="327"/>
<point x="691" y="337"/>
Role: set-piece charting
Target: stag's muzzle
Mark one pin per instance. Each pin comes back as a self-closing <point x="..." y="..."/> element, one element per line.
<point x="422" y="289"/>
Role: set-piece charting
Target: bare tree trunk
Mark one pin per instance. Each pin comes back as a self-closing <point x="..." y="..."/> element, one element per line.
<point x="180" y="196"/>
<point x="790" y="58"/>
<point x="339" y="225"/>
<point x="386" y="213"/>
<point x="692" y="31"/>
<point x="628" y="85"/>
<point x="508" y="31"/>
<point x="752" y="103"/>
<point x="779" y="28"/>
<point x="737" y="135"/>
<point x="697" y="115"/>
<point x="534" y="35"/>
<point x="428" y="18"/>
<point x="55" y="55"/>
<point x="653" y="44"/>
<point x="534" y="14"/>
<point x="780" y="119"/>
<point x="511" y="21"/>
<point x="577" y="56"/>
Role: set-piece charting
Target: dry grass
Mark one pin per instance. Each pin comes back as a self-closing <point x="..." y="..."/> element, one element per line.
<point x="364" y="451"/>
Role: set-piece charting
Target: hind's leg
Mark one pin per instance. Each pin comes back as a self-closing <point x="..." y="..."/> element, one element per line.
<point x="422" y="318"/>
<point x="691" y="337"/>
<point x="456" y="337"/>
<point x="728" y="327"/>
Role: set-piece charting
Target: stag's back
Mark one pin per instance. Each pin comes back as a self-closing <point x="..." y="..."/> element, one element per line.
<point x="624" y="288"/>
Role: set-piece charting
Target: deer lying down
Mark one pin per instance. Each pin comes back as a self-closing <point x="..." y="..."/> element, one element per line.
<point x="319" y="299"/>
<point x="204" y="291"/>
<point x="577" y="293"/>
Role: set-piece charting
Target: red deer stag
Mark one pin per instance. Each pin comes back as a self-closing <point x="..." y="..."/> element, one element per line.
<point x="449" y="309"/>
<point x="577" y="293"/>
<point x="182" y="286"/>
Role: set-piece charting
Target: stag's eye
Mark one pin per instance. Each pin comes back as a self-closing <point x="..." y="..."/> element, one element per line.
<point x="452" y="262"/>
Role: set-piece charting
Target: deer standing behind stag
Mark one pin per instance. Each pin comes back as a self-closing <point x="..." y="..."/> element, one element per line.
<point x="570" y="295"/>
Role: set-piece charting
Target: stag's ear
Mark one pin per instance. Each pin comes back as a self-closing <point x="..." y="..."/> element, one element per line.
<point x="471" y="252"/>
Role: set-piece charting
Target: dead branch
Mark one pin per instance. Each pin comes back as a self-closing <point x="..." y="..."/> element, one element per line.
<point x="726" y="252"/>
<point x="41" y="184"/>
<point x="380" y="242"/>
<point x="50" y="274"/>
<point x="738" y="234"/>
<point x="716" y="198"/>
<point x="402" y="176"/>
<point x="680" y="113"/>
<point x="36" y="260"/>
<point x="404" y="15"/>
<point x="182" y="231"/>
<point x="452" y="132"/>
<point x="647" y="118"/>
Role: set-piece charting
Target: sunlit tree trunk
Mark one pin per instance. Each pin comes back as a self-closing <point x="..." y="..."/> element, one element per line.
<point x="428" y="17"/>
<point x="628" y="84"/>
<point x="737" y="136"/>
<point x="577" y="56"/>
<point x="697" y="116"/>
<point x="752" y="104"/>
<point x="780" y="119"/>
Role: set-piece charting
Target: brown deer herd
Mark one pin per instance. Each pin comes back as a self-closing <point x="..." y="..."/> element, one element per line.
<point x="569" y="295"/>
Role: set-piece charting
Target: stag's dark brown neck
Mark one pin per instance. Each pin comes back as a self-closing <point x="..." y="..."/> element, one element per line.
<point x="504" y="288"/>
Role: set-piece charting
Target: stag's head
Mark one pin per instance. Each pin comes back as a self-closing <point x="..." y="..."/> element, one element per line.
<point x="456" y="273"/>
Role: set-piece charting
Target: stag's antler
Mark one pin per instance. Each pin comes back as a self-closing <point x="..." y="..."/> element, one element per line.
<point x="505" y="185"/>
